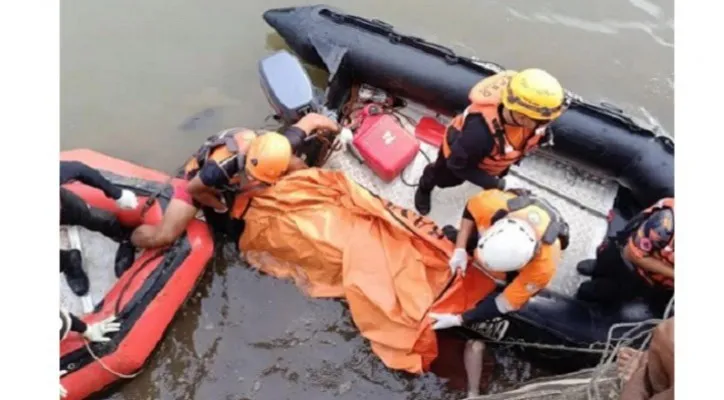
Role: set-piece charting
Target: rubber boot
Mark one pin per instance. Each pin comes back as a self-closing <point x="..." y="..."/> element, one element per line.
<point x="422" y="201"/>
<point x="71" y="264"/>
<point x="450" y="232"/>
<point x="126" y="253"/>
<point x="586" y="267"/>
<point x="125" y="256"/>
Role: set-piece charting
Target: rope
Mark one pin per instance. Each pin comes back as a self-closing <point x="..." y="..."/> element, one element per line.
<point x="106" y="367"/>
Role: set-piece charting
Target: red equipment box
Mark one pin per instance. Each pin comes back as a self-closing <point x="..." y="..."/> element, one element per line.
<point x="385" y="145"/>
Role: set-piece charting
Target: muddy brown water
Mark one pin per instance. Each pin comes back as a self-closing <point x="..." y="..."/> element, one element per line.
<point x="146" y="81"/>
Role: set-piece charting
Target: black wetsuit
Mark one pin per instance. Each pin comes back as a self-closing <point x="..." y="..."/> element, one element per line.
<point x="76" y="325"/>
<point x="75" y="211"/>
<point x="474" y="144"/>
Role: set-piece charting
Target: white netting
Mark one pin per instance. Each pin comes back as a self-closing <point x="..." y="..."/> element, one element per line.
<point x="601" y="382"/>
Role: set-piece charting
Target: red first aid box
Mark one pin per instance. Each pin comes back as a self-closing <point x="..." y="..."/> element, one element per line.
<point x="385" y="145"/>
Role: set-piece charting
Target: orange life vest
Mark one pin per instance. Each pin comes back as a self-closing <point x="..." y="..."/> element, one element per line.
<point x="231" y="143"/>
<point x="666" y="254"/>
<point x="551" y="231"/>
<point x="511" y="143"/>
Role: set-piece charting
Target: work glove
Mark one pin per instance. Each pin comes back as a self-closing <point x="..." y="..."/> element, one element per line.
<point x="458" y="261"/>
<point x="346" y="136"/>
<point x="444" y="321"/>
<point x="96" y="332"/>
<point x="63" y="392"/>
<point x="128" y="200"/>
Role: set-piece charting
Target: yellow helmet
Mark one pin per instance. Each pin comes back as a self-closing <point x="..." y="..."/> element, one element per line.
<point x="536" y="94"/>
<point x="268" y="158"/>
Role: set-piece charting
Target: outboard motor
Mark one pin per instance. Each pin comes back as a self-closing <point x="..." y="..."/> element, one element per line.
<point x="290" y="93"/>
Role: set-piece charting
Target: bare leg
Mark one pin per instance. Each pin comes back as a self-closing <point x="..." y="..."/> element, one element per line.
<point x="473" y="359"/>
<point x="174" y="222"/>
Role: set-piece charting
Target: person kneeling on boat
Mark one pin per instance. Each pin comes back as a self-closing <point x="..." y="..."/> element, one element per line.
<point x="75" y="211"/>
<point x="516" y="239"/>
<point x="638" y="261"/>
<point x="507" y="119"/>
<point x="235" y="162"/>
<point x="93" y="332"/>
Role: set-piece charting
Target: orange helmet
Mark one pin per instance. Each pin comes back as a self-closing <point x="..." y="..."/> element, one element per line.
<point x="268" y="158"/>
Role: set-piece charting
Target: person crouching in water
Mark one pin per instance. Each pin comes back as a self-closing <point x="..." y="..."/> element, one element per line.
<point x="516" y="239"/>
<point x="637" y="262"/>
<point x="236" y="161"/>
<point x="507" y="119"/>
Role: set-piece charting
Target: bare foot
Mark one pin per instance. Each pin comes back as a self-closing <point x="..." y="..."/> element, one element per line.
<point x="628" y="362"/>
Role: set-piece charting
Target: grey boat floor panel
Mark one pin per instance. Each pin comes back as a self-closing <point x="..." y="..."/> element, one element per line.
<point x="99" y="254"/>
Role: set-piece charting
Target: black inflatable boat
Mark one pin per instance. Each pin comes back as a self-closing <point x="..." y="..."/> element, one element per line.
<point x="371" y="51"/>
<point x="601" y="137"/>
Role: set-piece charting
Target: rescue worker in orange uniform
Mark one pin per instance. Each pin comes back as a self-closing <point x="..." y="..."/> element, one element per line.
<point x="507" y="118"/>
<point x="236" y="161"/>
<point x="637" y="262"/>
<point x="517" y="240"/>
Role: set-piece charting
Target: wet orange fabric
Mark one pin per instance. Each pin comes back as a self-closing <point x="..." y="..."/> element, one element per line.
<point x="336" y="239"/>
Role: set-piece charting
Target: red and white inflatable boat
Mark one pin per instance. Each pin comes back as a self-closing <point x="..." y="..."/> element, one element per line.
<point x="147" y="296"/>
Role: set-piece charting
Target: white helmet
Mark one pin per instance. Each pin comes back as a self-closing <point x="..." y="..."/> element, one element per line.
<point x="506" y="246"/>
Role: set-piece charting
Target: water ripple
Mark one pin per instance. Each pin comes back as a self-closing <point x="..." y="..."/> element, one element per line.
<point x="609" y="27"/>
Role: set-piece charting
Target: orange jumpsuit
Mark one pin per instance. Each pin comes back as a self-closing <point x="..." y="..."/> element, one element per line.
<point x="486" y="208"/>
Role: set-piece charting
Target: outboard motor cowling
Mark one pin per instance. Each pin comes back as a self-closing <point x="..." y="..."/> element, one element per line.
<point x="287" y="86"/>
